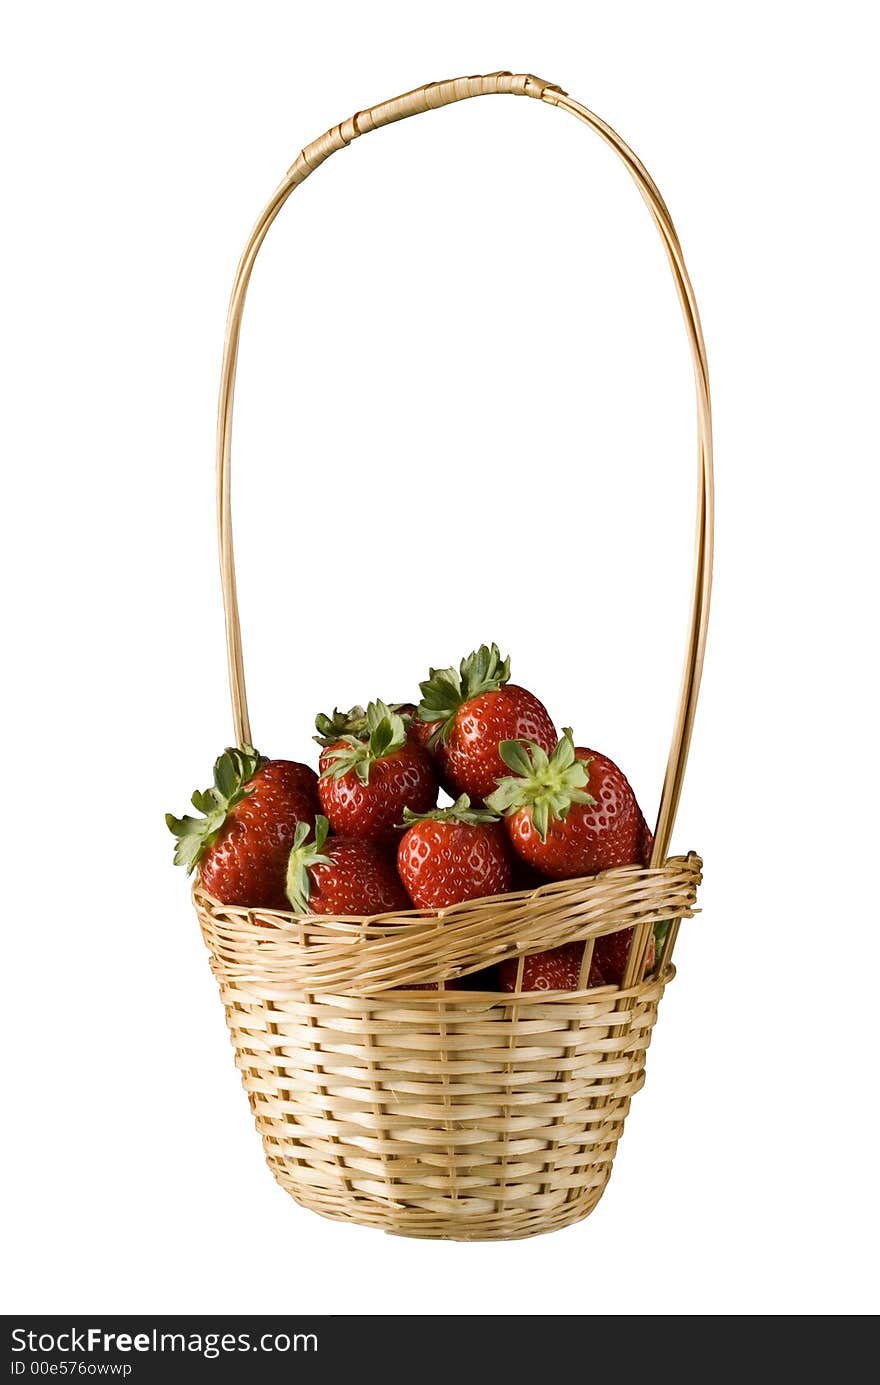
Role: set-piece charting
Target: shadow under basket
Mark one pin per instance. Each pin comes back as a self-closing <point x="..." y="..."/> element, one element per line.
<point x="444" y="1111"/>
<point x="461" y="1114"/>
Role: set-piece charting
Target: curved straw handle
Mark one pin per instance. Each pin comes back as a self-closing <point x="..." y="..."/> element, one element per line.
<point x="414" y="103"/>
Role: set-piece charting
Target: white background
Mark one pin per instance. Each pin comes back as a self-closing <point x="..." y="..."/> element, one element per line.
<point x="465" y="412"/>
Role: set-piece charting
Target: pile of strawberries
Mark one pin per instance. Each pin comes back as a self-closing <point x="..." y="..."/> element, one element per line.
<point x="365" y="836"/>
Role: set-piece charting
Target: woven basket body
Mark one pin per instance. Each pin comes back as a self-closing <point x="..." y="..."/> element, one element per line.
<point x="471" y="1119"/>
<point x="450" y="1113"/>
<point x="388" y="1089"/>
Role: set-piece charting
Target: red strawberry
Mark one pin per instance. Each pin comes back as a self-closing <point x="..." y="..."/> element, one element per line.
<point x="611" y="953"/>
<point x="422" y="733"/>
<point x="251" y="814"/>
<point x="417" y="730"/>
<point x="470" y="712"/>
<point x="367" y="781"/>
<point x="560" y="828"/>
<point x="559" y="968"/>
<point x="341" y="875"/>
<point x="453" y="854"/>
<point x="646" y="844"/>
<point x="569" y="814"/>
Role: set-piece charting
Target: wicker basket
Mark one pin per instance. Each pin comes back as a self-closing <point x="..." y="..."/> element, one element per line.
<point x="454" y="1113"/>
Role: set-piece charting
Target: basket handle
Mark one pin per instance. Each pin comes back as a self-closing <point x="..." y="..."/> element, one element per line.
<point x="428" y="98"/>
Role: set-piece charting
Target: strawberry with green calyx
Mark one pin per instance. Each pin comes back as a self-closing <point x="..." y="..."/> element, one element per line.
<point x="250" y="816"/>
<point x="332" y="728"/>
<point x="571" y="813"/>
<point x="544" y="785"/>
<point x="341" y="875"/>
<point x="338" y="724"/>
<point x="453" y="854"/>
<point x="473" y="709"/>
<point x="367" y="780"/>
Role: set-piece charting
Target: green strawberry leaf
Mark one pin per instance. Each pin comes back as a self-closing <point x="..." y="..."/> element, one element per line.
<point x="303" y="855"/>
<point x="384" y="734"/>
<point x="546" y="784"/>
<point x="541" y="817"/>
<point x="332" y="728"/>
<point x="483" y="671"/>
<point x="233" y="771"/>
<point x="446" y="690"/>
<point x="459" y="811"/>
<point x="660" y="931"/>
<point x="516" y="756"/>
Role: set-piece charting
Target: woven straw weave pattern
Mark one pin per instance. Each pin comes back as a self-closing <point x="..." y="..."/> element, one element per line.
<point x="467" y="1115"/>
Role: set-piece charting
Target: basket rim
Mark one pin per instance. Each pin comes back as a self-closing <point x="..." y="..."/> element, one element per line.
<point x="318" y="953"/>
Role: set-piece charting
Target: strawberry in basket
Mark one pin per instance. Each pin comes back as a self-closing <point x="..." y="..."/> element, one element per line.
<point x="453" y="854"/>
<point x="559" y="968"/>
<point x="333" y="728"/>
<point x="341" y="875"/>
<point x="250" y="816"/>
<point x="469" y="711"/>
<point x="368" y="778"/>
<point x="569" y="814"/>
<point x="450" y="855"/>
